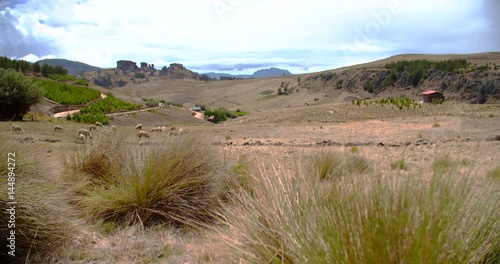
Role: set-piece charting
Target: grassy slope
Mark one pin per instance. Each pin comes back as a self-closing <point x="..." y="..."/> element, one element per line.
<point x="247" y="94"/>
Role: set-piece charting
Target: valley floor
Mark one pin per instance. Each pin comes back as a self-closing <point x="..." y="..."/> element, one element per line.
<point x="466" y="134"/>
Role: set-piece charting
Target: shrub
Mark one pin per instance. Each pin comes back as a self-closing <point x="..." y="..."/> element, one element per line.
<point x="220" y="115"/>
<point x="368" y="87"/>
<point x="175" y="104"/>
<point x="139" y="75"/>
<point x="172" y="182"/>
<point x="291" y="216"/>
<point x="436" y="101"/>
<point x="82" y="82"/>
<point x="17" y="94"/>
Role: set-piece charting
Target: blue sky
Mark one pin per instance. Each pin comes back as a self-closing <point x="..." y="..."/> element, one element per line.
<point x="241" y="36"/>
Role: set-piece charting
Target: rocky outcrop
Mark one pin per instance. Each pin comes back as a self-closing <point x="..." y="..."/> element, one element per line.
<point x="127" y="66"/>
<point x="178" y="71"/>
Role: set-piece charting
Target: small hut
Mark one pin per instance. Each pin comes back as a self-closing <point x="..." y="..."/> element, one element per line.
<point x="431" y="95"/>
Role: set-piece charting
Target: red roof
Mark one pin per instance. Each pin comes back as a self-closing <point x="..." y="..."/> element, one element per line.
<point x="430" y="92"/>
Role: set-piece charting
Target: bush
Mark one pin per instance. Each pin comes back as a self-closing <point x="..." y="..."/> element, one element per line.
<point x="368" y="87"/>
<point x="173" y="182"/>
<point x="291" y="216"/>
<point x="82" y="82"/>
<point x="436" y="101"/>
<point x="139" y="75"/>
<point x="418" y="68"/>
<point x="17" y="94"/>
<point x="175" y="104"/>
<point x="219" y="115"/>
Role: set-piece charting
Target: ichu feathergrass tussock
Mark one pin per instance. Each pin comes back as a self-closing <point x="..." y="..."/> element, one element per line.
<point x="293" y="214"/>
<point x="167" y="182"/>
<point x="39" y="228"/>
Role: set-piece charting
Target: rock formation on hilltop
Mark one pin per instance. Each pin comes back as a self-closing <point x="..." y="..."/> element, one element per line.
<point x="127" y="66"/>
<point x="178" y="71"/>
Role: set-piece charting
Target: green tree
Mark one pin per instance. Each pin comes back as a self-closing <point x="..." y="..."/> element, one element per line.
<point x="36" y="67"/>
<point x="45" y="70"/>
<point x="17" y="94"/>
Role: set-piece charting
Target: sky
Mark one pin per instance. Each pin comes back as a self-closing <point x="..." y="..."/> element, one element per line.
<point x="241" y="36"/>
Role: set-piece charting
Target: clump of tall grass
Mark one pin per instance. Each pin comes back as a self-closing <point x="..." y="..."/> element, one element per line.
<point x="39" y="229"/>
<point x="168" y="182"/>
<point x="444" y="163"/>
<point x="494" y="174"/>
<point x="399" y="164"/>
<point x="292" y="216"/>
<point x="332" y="165"/>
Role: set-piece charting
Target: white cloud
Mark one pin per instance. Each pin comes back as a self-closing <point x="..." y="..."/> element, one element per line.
<point x="313" y="34"/>
<point x="34" y="58"/>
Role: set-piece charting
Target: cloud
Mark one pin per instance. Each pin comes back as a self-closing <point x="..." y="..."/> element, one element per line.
<point x="238" y="35"/>
<point x="492" y="10"/>
<point x="18" y="40"/>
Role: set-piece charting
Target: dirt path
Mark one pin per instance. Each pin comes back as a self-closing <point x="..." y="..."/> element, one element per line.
<point x="65" y="113"/>
<point x="199" y="115"/>
<point x="133" y="111"/>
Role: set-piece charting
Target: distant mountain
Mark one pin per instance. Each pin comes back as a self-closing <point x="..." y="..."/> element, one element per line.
<point x="270" y="73"/>
<point x="215" y="75"/>
<point x="73" y="67"/>
<point x="264" y="73"/>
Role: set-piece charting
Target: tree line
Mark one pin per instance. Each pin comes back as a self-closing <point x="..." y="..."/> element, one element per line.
<point x="26" y="66"/>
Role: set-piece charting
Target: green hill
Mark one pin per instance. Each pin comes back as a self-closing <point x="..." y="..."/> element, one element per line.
<point x="73" y="67"/>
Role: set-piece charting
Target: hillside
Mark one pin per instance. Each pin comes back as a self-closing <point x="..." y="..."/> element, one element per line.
<point x="181" y="85"/>
<point x="73" y="67"/>
<point x="471" y="82"/>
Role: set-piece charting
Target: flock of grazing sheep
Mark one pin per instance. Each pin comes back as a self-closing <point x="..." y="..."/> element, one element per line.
<point x="83" y="133"/>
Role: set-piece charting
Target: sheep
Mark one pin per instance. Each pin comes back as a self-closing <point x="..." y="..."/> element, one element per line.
<point x="98" y="124"/>
<point x="93" y="127"/>
<point x="180" y="131"/>
<point x="143" y="134"/>
<point x="163" y="129"/>
<point x="58" y="128"/>
<point x="139" y="126"/>
<point x="85" y="132"/>
<point x="80" y="137"/>
<point x="17" y="129"/>
<point x="156" y="129"/>
<point x="113" y="127"/>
